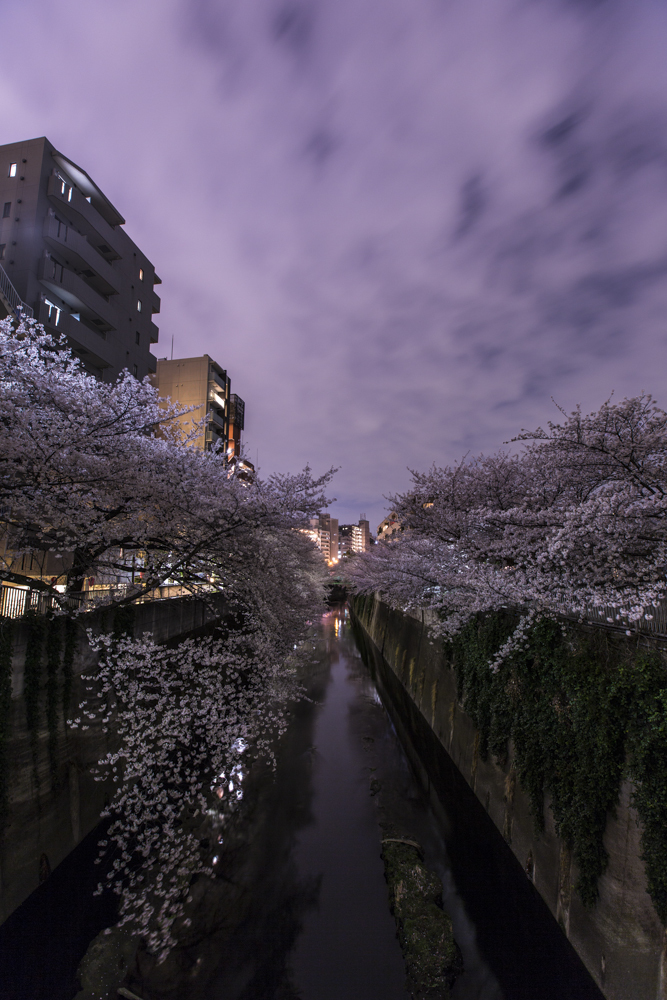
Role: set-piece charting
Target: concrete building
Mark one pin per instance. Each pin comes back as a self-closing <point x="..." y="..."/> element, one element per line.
<point x="354" y="537"/>
<point x="388" y="527"/>
<point x="65" y="255"/>
<point x="361" y="536"/>
<point x="324" y="532"/>
<point x="199" y="382"/>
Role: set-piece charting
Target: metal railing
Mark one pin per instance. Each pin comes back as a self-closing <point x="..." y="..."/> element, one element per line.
<point x="12" y="297"/>
<point x="16" y="601"/>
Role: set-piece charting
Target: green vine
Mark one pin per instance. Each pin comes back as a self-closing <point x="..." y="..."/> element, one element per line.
<point x="68" y="665"/>
<point x="583" y="711"/>
<point x="6" y="636"/>
<point x="36" y="627"/>
<point x="53" y="650"/>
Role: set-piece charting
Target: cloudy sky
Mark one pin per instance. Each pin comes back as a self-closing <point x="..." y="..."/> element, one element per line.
<point x="402" y="225"/>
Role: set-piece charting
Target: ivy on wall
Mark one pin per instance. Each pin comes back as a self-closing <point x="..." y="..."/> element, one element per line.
<point x="583" y="709"/>
<point x="6" y="637"/>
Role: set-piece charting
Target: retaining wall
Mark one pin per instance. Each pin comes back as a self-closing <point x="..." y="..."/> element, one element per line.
<point x="44" y="822"/>
<point x="621" y="940"/>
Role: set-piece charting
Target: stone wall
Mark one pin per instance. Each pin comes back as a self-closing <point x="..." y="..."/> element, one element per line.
<point x="621" y="941"/>
<point x="47" y="817"/>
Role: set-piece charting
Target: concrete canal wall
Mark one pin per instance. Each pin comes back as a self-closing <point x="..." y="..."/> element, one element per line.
<point x="52" y="800"/>
<point x="621" y="939"/>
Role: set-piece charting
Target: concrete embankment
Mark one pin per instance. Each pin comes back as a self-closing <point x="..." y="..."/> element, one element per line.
<point x="50" y="798"/>
<point x="620" y="938"/>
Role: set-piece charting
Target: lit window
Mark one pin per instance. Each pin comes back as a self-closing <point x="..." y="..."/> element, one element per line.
<point x="89" y="200"/>
<point x="54" y="310"/>
<point x="12" y="170"/>
<point x="141" y="274"/>
<point x="7" y="209"/>
<point x="138" y="305"/>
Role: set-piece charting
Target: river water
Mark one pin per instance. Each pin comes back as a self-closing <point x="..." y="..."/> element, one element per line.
<point x="299" y="910"/>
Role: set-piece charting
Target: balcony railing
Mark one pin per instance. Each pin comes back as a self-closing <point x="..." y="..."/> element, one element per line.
<point x="12" y="298"/>
<point x="217" y="420"/>
<point x="215" y="397"/>
<point x="81" y="255"/>
<point x="78" y="295"/>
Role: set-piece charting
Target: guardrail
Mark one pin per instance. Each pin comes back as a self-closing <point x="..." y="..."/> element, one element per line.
<point x="12" y="297"/>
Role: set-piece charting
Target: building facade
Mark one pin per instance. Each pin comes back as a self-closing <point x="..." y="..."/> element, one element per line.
<point x="202" y="383"/>
<point x="388" y="527"/>
<point x="354" y="537"/>
<point x="236" y="425"/>
<point x="65" y="255"/>
<point x="324" y="532"/>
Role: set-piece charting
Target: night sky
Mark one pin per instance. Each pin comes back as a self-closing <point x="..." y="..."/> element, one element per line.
<point x="402" y="226"/>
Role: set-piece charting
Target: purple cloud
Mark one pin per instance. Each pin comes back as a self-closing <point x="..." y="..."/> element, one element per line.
<point x="402" y="226"/>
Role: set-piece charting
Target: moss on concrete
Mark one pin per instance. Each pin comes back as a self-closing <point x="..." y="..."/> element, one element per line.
<point x="432" y="957"/>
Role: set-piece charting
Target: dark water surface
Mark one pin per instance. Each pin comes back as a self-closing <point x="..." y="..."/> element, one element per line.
<point x="300" y="908"/>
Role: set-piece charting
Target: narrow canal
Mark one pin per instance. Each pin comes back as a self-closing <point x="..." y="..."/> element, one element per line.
<point x="299" y="908"/>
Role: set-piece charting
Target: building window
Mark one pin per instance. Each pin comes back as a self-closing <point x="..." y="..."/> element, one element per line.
<point x="54" y="311"/>
<point x="135" y="370"/>
<point x="138" y="305"/>
<point x="12" y="170"/>
<point x="6" y="209"/>
<point x="2" y="250"/>
<point x="137" y="337"/>
<point x="141" y="274"/>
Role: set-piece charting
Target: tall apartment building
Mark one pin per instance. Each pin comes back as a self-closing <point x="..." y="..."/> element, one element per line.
<point x="202" y="383"/>
<point x="324" y="532"/>
<point x="354" y="537"/>
<point x="66" y="257"/>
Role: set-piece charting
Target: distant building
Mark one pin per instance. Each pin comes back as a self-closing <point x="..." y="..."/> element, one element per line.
<point x="65" y="258"/>
<point x="388" y="527"/>
<point x="354" y="537"/>
<point x="236" y="423"/>
<point x="324" y="532"/>
<point x="202" y="383"/>
<point x="361" y="536"/>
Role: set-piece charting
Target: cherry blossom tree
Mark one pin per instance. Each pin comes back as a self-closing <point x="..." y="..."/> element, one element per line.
<point x="101" y="475"/>
<point x="574" y="521"/>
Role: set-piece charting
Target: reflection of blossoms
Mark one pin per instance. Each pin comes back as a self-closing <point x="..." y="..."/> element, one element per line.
<point x="184" y="717"/>
<point x="576" y="521"/>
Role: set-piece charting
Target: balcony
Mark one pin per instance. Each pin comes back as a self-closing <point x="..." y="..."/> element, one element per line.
<point x="215" y="397"/>
<point x="218" y="421"/>
<point x="100" y="234"/>
<point x="215" y="378"/>
<point x="81" y="256"/>
<point x="90" y="346"/>
<point x="78" y="295"/>
<point x="155" y="303"/>
<point x="154" y="332"/>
